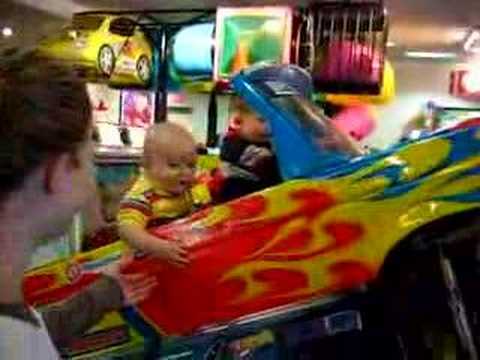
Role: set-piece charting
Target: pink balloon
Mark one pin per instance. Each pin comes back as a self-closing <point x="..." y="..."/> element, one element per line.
<point x="356" y="121"/>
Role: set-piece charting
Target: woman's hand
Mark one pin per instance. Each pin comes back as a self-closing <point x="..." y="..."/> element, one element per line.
<point x="254" y="156"/>
<point x="135" y="287"/>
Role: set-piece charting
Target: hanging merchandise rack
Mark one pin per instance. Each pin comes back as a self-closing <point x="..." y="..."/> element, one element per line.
<point x="342" y="43"/>
<point x="304" y="41"/>
<point x="350" y="44"/>
<point x="160" y="26"/>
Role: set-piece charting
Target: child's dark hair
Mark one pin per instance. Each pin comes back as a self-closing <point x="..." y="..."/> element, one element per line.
<point x="238" y="105"/>
<point x="44" y="111"/>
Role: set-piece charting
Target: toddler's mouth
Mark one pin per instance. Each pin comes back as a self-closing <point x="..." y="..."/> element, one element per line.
<point x="184" y="183"/>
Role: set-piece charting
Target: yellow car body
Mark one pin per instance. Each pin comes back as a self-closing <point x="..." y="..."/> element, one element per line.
<point x="123" y="56"/>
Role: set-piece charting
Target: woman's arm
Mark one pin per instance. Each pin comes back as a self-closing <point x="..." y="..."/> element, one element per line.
<point x="112" y="291"/>
<point x="73" y="317"/>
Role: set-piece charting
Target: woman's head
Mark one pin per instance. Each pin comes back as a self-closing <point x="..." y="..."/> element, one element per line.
<point x="45" y="154"/>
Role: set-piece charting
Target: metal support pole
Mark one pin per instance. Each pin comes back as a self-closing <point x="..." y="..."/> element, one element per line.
<point x="162" y="82"/>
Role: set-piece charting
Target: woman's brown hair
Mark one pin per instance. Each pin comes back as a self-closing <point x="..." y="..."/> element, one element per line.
<point x="44" y="111"/>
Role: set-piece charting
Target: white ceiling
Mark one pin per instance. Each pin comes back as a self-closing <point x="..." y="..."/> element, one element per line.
<point x="415" y="24"/>
<point x="432" y="24"/>
<point x="29" y="24"/>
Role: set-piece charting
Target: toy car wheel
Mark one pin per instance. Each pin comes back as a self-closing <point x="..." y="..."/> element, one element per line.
<point x="143" y="68"/>
<point x="106" y="60"/>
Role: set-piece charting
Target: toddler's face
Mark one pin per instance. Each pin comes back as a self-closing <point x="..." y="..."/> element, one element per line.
<point x="252" y="128"/>
<point x="174" y="170"/>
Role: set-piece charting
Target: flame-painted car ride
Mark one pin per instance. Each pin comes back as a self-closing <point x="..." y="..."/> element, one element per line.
<point x="352" y="256"/>
<point x="107" y="45"/>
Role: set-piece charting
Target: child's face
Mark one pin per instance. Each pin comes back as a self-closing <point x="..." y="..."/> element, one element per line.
<point x="174" y="170"/>
<point x="251" y="127"/>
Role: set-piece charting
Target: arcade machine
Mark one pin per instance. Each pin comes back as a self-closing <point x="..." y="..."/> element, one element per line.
<point x="311" y="37"/>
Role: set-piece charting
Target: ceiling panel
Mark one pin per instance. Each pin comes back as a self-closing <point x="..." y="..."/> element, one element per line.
<point x="415" y="24"/>
<point x="432" y="24"/>
<point x="29" y="24"/>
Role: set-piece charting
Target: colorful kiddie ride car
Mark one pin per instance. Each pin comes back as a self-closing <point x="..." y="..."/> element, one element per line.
<point x="311" y="257"/>
<point x="113" y="47"/>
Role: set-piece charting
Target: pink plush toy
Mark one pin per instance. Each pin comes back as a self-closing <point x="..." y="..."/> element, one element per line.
<point x="357" y="121"/>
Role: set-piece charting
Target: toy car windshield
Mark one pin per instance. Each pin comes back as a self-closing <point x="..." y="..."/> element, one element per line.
<point x="296" y="124"/>
<point x="314" y="123"/>
<point x="90" y="22"/>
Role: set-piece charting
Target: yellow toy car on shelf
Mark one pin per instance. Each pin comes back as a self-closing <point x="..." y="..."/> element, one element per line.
<point x="109" y="46"/>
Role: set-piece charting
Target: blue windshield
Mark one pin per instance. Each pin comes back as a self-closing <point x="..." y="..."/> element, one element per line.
<point x="305" y="141"/>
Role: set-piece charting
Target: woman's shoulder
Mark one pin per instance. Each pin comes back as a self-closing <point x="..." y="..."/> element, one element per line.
<point x="21" y="339"/>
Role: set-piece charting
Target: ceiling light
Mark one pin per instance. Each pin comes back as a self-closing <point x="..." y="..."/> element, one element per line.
<point x="430" y="55"/>
<point x="7" y="31"/>
<point x="472" y="43"/>
<point x="457" y="34"/>
<point x="471" y="81"/>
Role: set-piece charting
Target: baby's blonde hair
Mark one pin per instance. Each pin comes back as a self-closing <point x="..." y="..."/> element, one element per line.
<point x="162" y="137"/>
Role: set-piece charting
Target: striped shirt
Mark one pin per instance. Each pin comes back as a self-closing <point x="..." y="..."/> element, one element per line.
<point x="146" y="206"/>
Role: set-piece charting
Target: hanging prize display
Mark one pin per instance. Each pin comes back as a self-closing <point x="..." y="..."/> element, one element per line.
<point x="247" y="36"/>
<point x="387" y="92"/>
<point x="350" y="44"/>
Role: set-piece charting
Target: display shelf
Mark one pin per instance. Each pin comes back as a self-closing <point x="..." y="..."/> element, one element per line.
<point x="117" y="155"/>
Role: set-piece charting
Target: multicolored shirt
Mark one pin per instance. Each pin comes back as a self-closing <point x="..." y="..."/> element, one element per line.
<point x="147" y="206"/>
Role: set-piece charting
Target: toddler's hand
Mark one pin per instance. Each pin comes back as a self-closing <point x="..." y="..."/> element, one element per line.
<point x="172" y="252"/>
<point x="254" y="155"/>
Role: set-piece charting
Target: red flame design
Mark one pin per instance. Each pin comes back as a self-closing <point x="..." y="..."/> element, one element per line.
<point x="197" y="295"/>
<point x="203" y="294"/>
